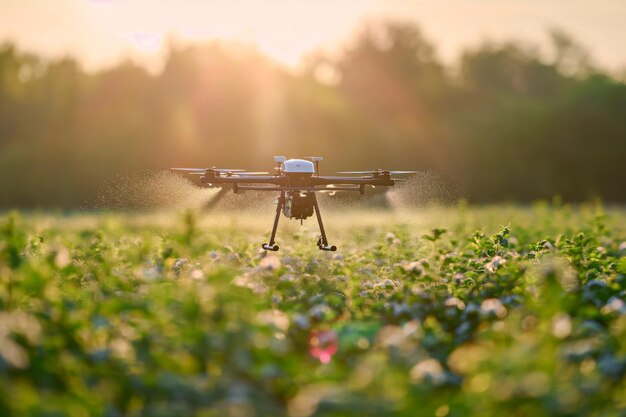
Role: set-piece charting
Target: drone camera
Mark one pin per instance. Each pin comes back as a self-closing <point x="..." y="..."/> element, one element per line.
<point x="298" y="205"/>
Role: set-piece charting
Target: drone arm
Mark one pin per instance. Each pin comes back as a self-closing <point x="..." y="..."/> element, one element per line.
<point x="302" y="189"/>
<point x="381" y="181"/>
<point x="207" y="179"/>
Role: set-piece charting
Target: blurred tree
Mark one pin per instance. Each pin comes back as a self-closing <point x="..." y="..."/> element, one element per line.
<point x="525" y="127"/>
<point x="569" y="57"/>
<point x="507" y="123"/>
<point x="14" y="69"/>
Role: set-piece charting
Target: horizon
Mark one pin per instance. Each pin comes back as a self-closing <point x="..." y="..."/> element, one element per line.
<point x="118" y="30"/>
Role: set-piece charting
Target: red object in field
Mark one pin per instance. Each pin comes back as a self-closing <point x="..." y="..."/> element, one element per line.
<point x="323" y="344"/>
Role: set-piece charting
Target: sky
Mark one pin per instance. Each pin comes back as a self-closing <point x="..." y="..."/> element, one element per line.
<point x="101" y="32"/>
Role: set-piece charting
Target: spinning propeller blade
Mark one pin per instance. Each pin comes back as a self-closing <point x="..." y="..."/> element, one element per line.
<point x="200" y="170"/>
<point x="235" y="174"/>
<point x="205" y="169"/>
<point x="227" y="170"/>
<point x="378" y="171"/>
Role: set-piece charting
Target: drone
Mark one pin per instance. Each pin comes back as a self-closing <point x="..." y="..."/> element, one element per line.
<point x="297" y="181"/>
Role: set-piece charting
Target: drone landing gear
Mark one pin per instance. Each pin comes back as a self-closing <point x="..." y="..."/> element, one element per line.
<point x="272" y="246"/>
<point x="322" y="242"/>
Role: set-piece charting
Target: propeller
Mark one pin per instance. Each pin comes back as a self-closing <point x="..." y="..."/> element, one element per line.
<point x="199" y="170"/>
<point x="378" y="171"/>
<point x="235" y="174"/>
<point x="202" y="170"/>
<point x="227" y="170"/>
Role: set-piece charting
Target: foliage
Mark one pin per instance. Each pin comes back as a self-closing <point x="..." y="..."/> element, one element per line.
<point x="416" y="314"/>
<point x="506" y="122"/>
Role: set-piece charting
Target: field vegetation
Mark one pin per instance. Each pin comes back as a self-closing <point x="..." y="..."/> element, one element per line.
<point x="495" y="310"/>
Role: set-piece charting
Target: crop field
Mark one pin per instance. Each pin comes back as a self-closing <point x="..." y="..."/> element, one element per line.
<point x="435" y="311"/>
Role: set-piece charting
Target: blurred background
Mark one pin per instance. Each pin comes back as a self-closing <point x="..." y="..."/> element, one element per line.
<point x="508" y="100"/>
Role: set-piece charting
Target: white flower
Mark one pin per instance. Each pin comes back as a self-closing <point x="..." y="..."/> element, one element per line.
<point x="453" y="301"/>
<point x="427" y="369"/>
<point x="493" y="305"/>
<point x="275" y="318"/>
<point x="614" y="305"/>
<point x="561" y="326"/>
<point x="197" y="274"/>
<point x="495" y="263"/>
<point x="270" y="262"/>
<point x="61" y="257"/>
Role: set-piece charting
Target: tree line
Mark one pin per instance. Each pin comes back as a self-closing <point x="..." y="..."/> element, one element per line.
<point x="505" y="122"/>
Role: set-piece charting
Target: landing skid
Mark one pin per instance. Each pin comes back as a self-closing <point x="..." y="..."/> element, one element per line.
<point x="322" y="242"/>
<point x="272" y="245"/>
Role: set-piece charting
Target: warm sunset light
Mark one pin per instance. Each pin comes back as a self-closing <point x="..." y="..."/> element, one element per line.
<point x="288" y="30"/>
<point x="312" y="208"/>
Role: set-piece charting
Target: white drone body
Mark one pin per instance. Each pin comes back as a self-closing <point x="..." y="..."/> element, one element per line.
<point x="297" y="166"/>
